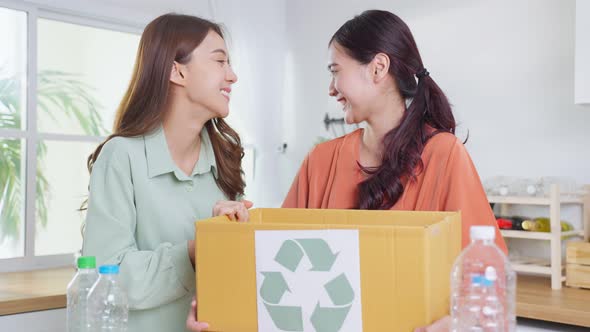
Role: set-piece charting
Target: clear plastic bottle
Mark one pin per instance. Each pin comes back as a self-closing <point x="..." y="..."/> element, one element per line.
<point x="77" y="293"/>
<point x="108" y="308"/>
<point x="483" y="286"/>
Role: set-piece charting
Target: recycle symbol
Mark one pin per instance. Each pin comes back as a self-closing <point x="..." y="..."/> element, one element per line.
<point x="274" y="286"/>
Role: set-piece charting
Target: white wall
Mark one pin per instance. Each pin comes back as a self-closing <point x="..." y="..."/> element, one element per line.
<point x="583" y="52"/>
<point x="257" y="42"/>
<point x="507" y="67"/>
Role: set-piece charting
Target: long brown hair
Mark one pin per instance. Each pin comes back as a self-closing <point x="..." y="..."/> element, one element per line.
<point x="169" y="38"/>
<point x="364" y="36"/>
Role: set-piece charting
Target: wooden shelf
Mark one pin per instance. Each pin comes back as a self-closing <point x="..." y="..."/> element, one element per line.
<point x="531" y="265"/>
<point x="532" y="268"/>
<point x="537" y="235"/>
<point x="554" y="266"/>
<point x="536" y="266"/>
<point x="524" y="200"/>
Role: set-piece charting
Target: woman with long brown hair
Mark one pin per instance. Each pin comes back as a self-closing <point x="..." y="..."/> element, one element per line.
<point x="171" y="160"/>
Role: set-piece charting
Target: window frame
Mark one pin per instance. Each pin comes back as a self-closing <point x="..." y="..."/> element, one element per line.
<point x="31" y="135"/>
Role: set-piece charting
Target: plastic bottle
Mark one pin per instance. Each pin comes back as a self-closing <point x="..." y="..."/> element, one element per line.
<point x="77" y="293"/>
<point x="483" y="286"/>
<point x="108" y="308"/>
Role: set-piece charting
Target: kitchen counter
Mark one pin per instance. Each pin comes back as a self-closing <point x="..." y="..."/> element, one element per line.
<point x="34" y="290"/>
<point x="22" y="292"/>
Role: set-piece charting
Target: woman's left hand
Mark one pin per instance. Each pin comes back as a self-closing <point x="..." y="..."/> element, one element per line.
<point x="441" y="325"/>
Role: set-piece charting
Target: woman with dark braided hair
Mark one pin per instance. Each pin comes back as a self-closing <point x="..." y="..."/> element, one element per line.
<point x="407" y="157"/>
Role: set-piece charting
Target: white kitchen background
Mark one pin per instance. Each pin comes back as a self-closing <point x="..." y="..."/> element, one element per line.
<point x="516" y="71"/>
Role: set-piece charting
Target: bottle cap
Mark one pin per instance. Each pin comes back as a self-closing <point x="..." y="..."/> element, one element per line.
<point x="86" y="262"/>
<point x="109" y="269"/>
<point x="482" y="233"/>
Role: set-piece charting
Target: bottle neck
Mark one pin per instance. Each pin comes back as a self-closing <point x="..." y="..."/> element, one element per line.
<point x="110" y="276"/>
<point x="86" y="271"/>
<point x="485" y="242"/>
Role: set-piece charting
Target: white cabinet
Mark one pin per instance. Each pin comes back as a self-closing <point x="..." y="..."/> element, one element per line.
<point x="582" y="65"/>
<point x="38" y="321"/>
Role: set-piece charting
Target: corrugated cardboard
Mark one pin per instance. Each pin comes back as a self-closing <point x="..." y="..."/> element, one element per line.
<point x="405" y="263"/>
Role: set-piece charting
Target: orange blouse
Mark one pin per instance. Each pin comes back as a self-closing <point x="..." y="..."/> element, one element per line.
<point x="329" y="177"/>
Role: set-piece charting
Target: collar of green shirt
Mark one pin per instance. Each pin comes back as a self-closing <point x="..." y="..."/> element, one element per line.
<point x="159" y="160"/>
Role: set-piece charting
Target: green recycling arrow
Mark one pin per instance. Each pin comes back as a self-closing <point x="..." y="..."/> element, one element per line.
<point x="273" y="287"/>
<point x="319" y="254"/>
<point x="289" y="255"/>
<point x="340" y="290"/>
<point x="329" y="319"/>
<point x="286" y="318"/>
<point x="318" y="251"/>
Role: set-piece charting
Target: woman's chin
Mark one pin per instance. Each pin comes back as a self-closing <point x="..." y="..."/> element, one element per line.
<point x="222" y="113"/>
<point x="349" y="118"/>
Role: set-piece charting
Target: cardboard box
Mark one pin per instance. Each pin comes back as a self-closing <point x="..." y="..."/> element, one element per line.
<point x="325" y="270"/>
<point x="578" y="264"/>
<point x="578" y="252"/>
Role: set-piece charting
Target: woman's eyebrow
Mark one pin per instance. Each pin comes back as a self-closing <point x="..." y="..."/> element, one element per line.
<point x="219" y="50"/>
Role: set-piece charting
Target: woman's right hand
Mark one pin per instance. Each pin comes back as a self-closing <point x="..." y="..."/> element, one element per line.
<point x="191" y="321"/>
<point x="234" y="210"/>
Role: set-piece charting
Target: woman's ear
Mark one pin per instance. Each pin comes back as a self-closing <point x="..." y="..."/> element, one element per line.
<point x="380" y="66"/>
<point x="177" y="75"/>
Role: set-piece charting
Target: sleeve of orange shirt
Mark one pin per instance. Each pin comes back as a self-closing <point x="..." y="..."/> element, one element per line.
<point x="465" y="193"/>
<point x="298" y="193"/>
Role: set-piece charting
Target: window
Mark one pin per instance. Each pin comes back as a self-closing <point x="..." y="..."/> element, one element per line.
<point x="13" y="98"/>
<point x="61" y="79"/>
